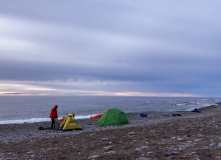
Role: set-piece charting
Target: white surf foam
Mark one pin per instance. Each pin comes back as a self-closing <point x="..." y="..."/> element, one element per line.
<point x="35" y="120"/>
<point x="19" y="121"/>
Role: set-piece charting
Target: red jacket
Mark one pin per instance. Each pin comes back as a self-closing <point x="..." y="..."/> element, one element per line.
<point x="54" y="113"/>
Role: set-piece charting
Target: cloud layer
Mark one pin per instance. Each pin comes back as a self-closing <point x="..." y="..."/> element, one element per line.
<point x="84" y="47"/>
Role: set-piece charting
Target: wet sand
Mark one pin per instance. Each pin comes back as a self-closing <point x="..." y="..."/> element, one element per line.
<point x="158" y="136"/>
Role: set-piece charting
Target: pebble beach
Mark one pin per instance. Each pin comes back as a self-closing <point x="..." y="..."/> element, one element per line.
<point x="158" y="136"/>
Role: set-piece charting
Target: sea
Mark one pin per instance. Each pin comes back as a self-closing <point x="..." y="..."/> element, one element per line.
<point x="30" y="109"/>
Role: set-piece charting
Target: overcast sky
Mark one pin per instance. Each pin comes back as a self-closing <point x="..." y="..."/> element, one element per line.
<point x="97" y="47"/>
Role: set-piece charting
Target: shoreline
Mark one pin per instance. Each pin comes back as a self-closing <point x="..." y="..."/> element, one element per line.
<point x="44" y="121"/>
<point x="31" y="129"/>
<point x="157" y="126"/>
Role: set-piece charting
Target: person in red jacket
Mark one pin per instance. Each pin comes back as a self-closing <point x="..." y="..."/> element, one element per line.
<point x="53" y="116"/>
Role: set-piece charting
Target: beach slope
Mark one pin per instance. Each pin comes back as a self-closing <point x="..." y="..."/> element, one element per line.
<point x="157" y="136"/>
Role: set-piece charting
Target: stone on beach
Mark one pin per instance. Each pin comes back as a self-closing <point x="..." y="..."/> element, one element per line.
<point x="108" y="147"/>
<point x="94" y="156"/>
<point x="104" y="139"/>
<point x="219" y="145"/>
<point x="142" y="158"/>
<point x="131" y="133"/>
<point x="144" y="148"/>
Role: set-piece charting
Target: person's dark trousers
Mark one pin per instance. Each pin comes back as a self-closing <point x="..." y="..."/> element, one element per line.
<point x="52" y="123"/>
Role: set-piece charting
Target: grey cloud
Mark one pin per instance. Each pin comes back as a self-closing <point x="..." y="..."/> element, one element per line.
<point x="15" y="93"/>
<point x="160" y="46"/>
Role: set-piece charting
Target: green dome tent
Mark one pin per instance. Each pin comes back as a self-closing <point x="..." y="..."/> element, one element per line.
<point x="113" y="117"/>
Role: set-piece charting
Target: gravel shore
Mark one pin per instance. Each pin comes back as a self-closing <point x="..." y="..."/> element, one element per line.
<point x="158" y="136"/>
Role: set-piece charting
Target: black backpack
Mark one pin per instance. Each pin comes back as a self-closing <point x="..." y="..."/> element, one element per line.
<point x="41" y="128"/>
